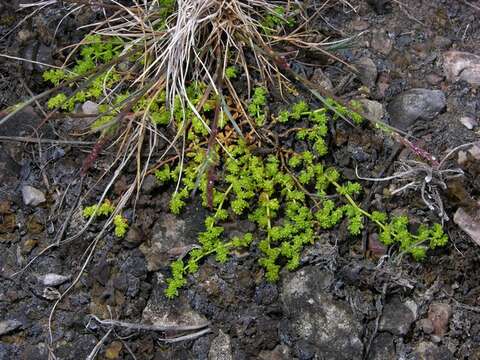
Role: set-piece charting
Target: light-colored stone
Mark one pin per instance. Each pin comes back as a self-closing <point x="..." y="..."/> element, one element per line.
<point x="462" y="157"/>
<point x="469" y="223"/>
<point x="459" y="65"/>
<point x="53" y="279"/>
<point x="221" y="347"/>
<point x="321" y="79"/>
<point x="468" y="121"/>
<point x="475" y="152"/>
<point x="90" y="108"/>
<point x="439" y="314"/>
<point x="427" y="326"/>
<point x="381" y="42"/>
<point x="7" y="326"/>
<point x="32" y="196"/>
<point x="373" y="108"/>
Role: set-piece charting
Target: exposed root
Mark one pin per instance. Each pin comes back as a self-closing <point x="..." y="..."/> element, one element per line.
<point x="421" y="177"/>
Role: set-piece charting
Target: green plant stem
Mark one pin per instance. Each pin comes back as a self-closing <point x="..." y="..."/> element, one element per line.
<point x="380" y="224"/>
<point x="228" y="244"/>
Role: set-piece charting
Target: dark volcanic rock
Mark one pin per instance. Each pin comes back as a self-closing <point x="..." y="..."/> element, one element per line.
<point x="415" y="104"/>
<point x="398" y="316"/>
<point x="327" y="325"/>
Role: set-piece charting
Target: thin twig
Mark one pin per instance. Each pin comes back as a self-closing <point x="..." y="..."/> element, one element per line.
<point x="147" y="327"/>
<point x="29" y="139"/>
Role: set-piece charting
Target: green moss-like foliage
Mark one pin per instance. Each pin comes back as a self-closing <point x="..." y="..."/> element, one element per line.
<point x="105" y="209"/>
<point x="287" y="195"/>
<point x="291" y="197"/>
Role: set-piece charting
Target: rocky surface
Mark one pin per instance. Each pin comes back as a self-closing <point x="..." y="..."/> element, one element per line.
<point x="398" y="316"/>
<point x="325" y="326"/>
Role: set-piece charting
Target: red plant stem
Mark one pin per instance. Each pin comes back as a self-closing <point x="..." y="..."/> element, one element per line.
<point x="420" y="152"/>
<point x="90" y="159"/>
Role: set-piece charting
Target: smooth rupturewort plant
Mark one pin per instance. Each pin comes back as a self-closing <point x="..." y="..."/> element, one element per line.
<point x="288" y="195"/>
<point x="274" y="191"/>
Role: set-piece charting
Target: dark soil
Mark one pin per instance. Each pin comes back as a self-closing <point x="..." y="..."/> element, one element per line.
<point x="344" y="302"/>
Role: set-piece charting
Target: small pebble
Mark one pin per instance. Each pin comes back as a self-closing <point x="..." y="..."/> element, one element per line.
<point x="7" y="326"/>
<point x="434" y="79"/>
<point x="90" y="108"/>
<point x="475" y="152"/>
<point x="468" y="122"/>
<point x="439" y="314"/>
<point x="462" y="158"/>
<point x="427" y="326"/>
<point x="360" y="25"/>
<point x="53" y="279"/>
<point x="32" y="196"/>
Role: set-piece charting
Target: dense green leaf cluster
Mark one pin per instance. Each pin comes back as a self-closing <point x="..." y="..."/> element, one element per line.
<point x="106" y="208"/>
<point x="256" y="108"/>
<point x="289" y="202"/>
<point x="276" y="19"/>
<point x="98" y="87"/>
<point x="95" y="51"/>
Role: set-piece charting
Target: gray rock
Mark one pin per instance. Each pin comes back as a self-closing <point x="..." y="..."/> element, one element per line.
<point x="415" y="104"/>
<point x="429" y="351"/>
<point x="281" y="352"/>
<point x="372" y="108"/>
<point x="90" y="108"/>
<point x="427" y="326"/>
<point x="321" y="79"/>
<point x="469" y="223"/>
<point x="381" y="42"/>
<point x="459" y="65"/>
<point x="468" y="121"/>
<point x="305" y="350"/>
<point x="161" y="311"/>
<point x="398" y="317"/>
<point x="434" y="79"/>
<point x="150" y="184"/>
<point x="221" y="348"/>
<point x="44" y="56"/>
<point x="383" y="348"/>
<point x="8" y="351"/>
<point x="32" y="196"/>
<point x="134" y="237"/>
<point x="368" y="72"/>
<point x="167" y="233"/>
<point x="53" y="279"/>
<point x="316" y="318"/>
<point x="442" y="42"/>
<point x="7" y="326"/>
